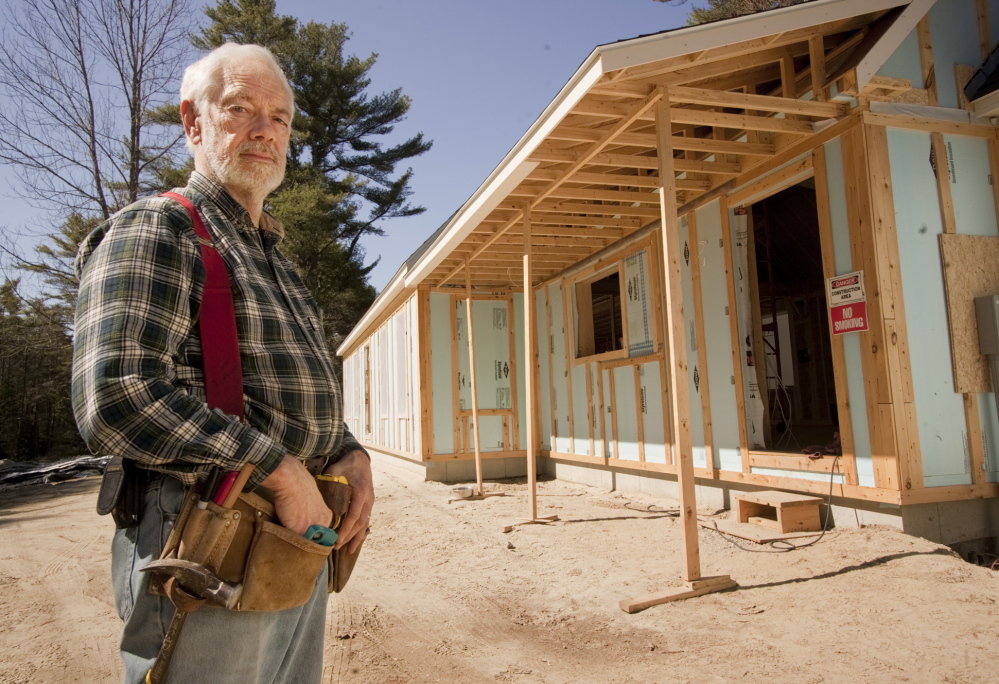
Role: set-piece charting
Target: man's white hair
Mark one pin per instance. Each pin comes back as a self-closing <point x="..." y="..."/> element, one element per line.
<point x="203" y="79"/>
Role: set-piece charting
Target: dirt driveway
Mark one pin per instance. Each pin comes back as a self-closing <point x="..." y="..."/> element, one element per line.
<point x="441" y="594"/>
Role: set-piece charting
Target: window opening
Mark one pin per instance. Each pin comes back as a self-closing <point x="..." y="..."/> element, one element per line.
<point x="791" y="324"/>
<point x="600" y="323"/>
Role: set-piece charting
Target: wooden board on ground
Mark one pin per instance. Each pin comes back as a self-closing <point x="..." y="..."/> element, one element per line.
<point x="969" y="265"/>
<point x="475" y="497"/>
<point x="699" y="587"/>
<point x="753" y="533"/>
<point x="544" y="520"/>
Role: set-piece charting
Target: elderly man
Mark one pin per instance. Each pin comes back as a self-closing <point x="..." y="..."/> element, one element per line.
<point x="139" y="391"/>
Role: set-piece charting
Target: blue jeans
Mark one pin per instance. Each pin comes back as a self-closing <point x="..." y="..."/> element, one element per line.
<point x="216" y="645"/>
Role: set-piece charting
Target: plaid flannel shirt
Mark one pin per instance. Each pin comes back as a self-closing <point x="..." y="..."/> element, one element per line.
<point x="138" y="388"/>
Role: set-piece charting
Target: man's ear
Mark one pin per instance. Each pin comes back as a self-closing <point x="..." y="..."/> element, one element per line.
<point x="192" y="122"/>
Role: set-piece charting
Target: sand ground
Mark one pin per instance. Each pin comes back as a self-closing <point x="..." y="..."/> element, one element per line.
<point x="441" y="594"/>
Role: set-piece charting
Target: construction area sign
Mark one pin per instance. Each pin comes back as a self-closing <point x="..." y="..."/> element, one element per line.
<point x="847" y="303"/>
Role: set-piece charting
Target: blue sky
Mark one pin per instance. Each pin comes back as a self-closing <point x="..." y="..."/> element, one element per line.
<point x="478" y="73"/>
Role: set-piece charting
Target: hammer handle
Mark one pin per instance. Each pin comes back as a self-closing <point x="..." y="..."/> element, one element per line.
<point x="158" y="673"/>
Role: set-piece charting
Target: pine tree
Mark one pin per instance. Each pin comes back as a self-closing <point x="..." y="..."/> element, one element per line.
<point x="341" y="182"/>
<point x="726" y="9"/>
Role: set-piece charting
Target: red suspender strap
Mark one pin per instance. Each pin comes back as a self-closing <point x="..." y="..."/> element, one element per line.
<point x="223" y="369"/>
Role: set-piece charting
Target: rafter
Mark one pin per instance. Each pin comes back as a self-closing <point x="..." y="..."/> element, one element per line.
<point x="635" y="161"/>
<point x="582" y="160"/>
<point x="767" y="103"/>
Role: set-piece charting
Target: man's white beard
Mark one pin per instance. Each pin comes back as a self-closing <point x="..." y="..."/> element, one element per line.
<point x="248" y="176"/>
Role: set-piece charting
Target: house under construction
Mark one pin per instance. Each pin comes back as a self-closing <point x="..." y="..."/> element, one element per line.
<point x="754" y="244"/>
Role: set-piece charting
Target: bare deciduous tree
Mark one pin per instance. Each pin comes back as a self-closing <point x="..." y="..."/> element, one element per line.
<point x="79" y="80"/>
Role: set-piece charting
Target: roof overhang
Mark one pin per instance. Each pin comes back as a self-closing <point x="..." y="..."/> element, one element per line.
<point x="616" y="76"/>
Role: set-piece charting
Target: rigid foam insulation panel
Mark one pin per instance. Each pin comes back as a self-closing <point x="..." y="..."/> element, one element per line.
<point x="939" y="409"/>
<point x="559" y="370"/>
<point x="954" y="34"/>
<point x="718" y="339"/>
<point x="491" y="336"/>
<point x="627" y="418"/>
<point x="904" y="62"/>
<point x="416" y="409"/>
<point x="544" y="354"/>
<point x="523" y="366"/>
<point x="851" y="342"/>
<point x="441" y="373"/>
<point x="693" y="366"/>
<point x="609" y="433"/>
<point x="638" y="307"/>
<point x="580" y="410"/>
<point x="599" y="444"/>
<point x="652" y="395"/>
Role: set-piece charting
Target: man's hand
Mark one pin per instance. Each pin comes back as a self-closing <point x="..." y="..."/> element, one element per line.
<point x="356" y="467"/>
<point x="297" y="501"/>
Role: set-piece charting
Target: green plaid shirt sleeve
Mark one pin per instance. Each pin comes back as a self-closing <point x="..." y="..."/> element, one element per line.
<point x="138" y="390"/>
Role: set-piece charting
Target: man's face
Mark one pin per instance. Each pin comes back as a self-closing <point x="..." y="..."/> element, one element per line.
<point x="244" y="132"/>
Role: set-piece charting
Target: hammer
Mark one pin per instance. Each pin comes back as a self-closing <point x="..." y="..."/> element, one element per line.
<point x="188" y="585"/>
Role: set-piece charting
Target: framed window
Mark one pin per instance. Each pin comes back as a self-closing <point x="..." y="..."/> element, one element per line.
<point x="600" y="321"/>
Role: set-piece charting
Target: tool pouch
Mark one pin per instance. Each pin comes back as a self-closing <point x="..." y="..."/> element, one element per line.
<point x="244" y="545"/>
<point x="337" y="496"/>
<point x="122" y="493"/>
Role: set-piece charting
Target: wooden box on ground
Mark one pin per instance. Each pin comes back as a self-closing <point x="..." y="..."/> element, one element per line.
<point x="780" y="510"/>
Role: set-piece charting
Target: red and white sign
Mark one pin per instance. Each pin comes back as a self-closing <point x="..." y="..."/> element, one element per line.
<point x="847" y="303"/>
<point x="848" y="318"/>
<point x="846" y="289"/>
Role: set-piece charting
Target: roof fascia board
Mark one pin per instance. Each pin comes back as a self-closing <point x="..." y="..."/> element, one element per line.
<point x="893" y="37"/>
<point x="693" y="39"/>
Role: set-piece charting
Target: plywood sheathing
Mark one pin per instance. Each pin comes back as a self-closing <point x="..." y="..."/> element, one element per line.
<point x="969" y="264"/>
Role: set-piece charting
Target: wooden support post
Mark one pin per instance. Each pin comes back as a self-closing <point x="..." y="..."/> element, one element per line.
<point x="530" y="380"/>
<point x="676" y="343"/>
<point x="471" y="377"/>
<point x="817" y="58"/>
<point x="845" y="426"/>
<point x="702" y="347"/>
<point x="733" y="322"/>
<point x="926" y="60"/>
<point x="675" y="336"/>
<point x="984" y="33"/>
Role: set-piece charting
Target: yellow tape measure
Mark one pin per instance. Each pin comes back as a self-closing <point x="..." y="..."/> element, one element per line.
<point x="333" y="478"/>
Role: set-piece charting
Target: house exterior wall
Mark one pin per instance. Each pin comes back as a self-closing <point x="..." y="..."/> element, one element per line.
<point x="909" y="438"/>
<point x="381" y="386"/>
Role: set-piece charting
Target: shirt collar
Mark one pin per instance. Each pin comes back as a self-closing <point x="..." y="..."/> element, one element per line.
<point x="233" y="210"/>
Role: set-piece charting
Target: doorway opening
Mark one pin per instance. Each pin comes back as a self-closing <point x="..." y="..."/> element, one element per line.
<point x="791" y="325"/>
